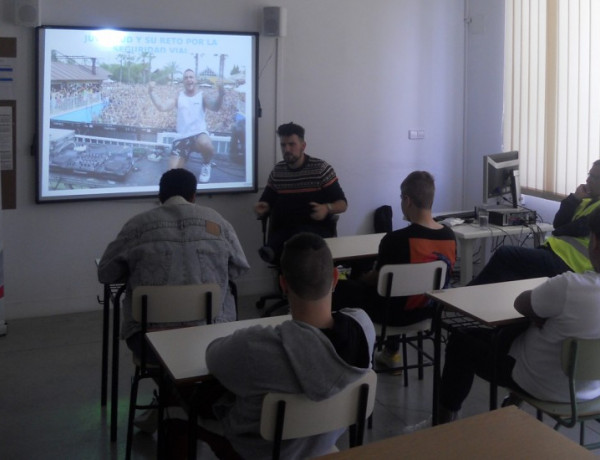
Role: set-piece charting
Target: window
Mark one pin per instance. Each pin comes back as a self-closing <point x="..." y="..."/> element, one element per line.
<point x="552" y="92"/>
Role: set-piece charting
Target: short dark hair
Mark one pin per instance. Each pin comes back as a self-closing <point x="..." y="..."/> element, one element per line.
<point x="307" y="266"/>
<point x="419" y="186"/>
<point x="177" y="182"/>
<point x="594" y="222"/>
<point x="289" y="129"/>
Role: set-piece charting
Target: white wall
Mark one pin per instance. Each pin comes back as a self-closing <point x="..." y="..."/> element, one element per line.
<point x="358" y="75"/>
<point x="484" y="80"/>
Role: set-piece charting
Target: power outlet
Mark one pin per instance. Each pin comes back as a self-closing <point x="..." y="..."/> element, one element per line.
<point x="415" y="134"/>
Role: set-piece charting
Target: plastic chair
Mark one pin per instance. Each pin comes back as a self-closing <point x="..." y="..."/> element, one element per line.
<point x="290" y="416"/>
<point x="399" y="280"/>
<point x="166" y="304"/>
<point x="580" y="360"/>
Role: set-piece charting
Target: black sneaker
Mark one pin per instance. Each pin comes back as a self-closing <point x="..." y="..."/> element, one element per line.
<point x="511" y="400"/>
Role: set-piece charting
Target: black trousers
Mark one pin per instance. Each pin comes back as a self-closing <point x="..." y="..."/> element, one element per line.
<point x="470" y="352"/>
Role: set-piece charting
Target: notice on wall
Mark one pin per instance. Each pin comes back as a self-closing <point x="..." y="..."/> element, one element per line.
<point x="8" y="60"/>
<point x="8" y="130"/>
<point x="7" y="77"/>
<point x="7" y="141"/>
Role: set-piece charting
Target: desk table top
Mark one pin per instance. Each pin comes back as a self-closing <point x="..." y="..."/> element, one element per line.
<point x="354" y="246"/>
<point x="182" y="351"/>
<point x="499" y="434"/>
<point x="474" y="231"/>
<point x="491" y="304"/>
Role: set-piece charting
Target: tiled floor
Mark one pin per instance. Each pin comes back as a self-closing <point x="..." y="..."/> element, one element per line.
<point x="50" y="394"/>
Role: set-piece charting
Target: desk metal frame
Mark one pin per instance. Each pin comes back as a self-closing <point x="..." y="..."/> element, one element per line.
<point x="488" y="305"/>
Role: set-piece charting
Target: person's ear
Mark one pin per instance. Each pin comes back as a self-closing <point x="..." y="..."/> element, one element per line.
<point x="283" y="285"/>
<point x="336" y="277"/>
<point x="593" y="242"/>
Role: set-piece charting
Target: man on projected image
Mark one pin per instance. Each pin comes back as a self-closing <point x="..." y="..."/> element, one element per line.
<point x="302" y="194"/>
<point x="567" y="248"/>
<point x="192" y="132"/>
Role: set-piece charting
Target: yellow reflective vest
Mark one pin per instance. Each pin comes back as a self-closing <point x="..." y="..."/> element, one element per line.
<point x="574" y="250"/>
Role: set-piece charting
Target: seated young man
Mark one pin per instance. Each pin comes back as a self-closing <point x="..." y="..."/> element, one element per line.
<point x="423" y="240"/>
<point x="317" y="353"/>
<point x="565" y="250"/>
<point x="529" y="357"/>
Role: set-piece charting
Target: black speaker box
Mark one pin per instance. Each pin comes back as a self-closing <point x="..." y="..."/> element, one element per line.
<point x="27" y="13"/>
<point x="274" y="21"/>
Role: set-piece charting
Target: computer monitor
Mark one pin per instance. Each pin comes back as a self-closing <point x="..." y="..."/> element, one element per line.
<point x="501" y="177"/>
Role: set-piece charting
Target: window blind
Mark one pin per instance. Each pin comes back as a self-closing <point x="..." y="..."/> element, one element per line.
<point x="552" y="92"/>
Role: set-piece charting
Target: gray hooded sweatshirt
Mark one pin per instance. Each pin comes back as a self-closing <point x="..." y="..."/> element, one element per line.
<point x="293" y="357"/>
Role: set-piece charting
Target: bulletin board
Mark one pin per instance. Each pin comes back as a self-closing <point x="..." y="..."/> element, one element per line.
<point x="8" y="168"/>
<point x="8" y="116"/>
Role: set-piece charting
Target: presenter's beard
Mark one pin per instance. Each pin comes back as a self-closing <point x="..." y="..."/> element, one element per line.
<point x="289" y="158"/>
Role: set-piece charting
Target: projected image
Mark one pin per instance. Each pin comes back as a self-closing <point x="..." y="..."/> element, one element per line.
<point x="120" y="107"/>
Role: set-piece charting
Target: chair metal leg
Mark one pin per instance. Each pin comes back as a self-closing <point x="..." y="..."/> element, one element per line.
<point x="420" y="353"/>
<point x="135" y="380"/>
<point x="437" y="359"/>
<point x="105" y="338"/>
<point x="352" y="436"/>
<point x="114" y="391"/>
<point x="404" y="359"/>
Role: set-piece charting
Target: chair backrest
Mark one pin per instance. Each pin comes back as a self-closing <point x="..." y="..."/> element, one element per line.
<point x="397" y="280"/>
<point x="581" y="358"/>
<point x="291" y="416"/>
<point x="176" y="303"/>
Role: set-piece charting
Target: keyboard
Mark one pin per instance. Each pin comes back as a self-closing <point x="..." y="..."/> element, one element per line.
<point x="463" y="215"/>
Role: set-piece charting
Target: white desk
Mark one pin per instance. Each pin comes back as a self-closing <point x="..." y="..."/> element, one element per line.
<point x="489" y="304"/>
<point x="501" y="434"/>
<point x="355" y="246"/>
<point x="466" y="234"/>
<point x="182" y="351"/>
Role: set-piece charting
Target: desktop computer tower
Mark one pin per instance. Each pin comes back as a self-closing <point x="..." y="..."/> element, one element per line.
<point x="504" y="216"/>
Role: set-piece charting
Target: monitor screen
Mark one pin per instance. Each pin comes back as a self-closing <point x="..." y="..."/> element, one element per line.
<point x="501" y="177"/>
<point x="118" y="107"/>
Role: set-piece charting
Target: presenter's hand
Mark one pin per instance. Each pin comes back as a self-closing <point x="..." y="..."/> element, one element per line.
<point x="261" y="208"/>
<point x="319" y="211"/>
<point x="582" y="192"/>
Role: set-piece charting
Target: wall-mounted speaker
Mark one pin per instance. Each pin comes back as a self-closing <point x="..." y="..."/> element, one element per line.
<point x="274" y="21"/>
<point x="27" y="13"/>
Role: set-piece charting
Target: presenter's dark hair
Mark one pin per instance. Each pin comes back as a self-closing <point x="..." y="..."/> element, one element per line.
<point x="307" y="266"/>
<point x="177" y="182"/>
<point x="289" y="129"/>
<point x="419" y="186"/>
